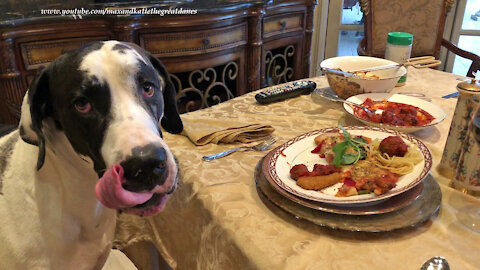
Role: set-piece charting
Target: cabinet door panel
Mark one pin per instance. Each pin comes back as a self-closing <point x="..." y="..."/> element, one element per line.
<point x="207" y="80"/>
<point x="284" y="23"/>
<point x="282" y="60"/>
<point x="40" y="53"/>
<point x="194" y="42"/>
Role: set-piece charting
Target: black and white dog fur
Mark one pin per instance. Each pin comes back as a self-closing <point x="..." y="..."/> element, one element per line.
<point x="88" y="138"/>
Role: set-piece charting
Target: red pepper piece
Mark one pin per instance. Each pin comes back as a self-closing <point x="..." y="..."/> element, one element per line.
<point x="318" y="148"/>
<point x="349" y="182"/>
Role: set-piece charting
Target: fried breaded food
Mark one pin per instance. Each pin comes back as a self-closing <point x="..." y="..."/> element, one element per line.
<point x="319" y="182"/>
<point x="328" y="139"/>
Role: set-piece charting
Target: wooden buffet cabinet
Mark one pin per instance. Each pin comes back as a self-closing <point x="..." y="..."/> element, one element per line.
<point x="227" y="49"/>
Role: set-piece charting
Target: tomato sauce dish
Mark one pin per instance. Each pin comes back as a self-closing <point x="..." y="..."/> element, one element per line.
<point x="395" y="111"/>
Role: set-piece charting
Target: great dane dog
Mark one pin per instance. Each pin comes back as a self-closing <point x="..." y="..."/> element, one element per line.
<point x="89" y="144"/>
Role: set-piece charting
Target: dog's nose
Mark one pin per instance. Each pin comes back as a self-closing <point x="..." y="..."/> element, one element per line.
<point x="145" y="168"/>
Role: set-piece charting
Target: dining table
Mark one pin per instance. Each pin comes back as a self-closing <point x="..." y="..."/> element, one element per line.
<point x="219" y="219"/>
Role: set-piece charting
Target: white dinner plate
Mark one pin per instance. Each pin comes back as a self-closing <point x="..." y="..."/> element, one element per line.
<point x="429" y="107"/>
<point x="278" y="163"/>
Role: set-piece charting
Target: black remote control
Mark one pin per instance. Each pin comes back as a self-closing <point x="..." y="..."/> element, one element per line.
<point x="289" y="90"/>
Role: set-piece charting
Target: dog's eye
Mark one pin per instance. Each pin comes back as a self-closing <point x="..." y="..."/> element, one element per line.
<point x="148" y="90"/>
<point x="82" y="105"/>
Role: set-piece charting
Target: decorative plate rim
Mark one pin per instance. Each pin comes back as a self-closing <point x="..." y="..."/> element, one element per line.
<point x="272" y="157"/>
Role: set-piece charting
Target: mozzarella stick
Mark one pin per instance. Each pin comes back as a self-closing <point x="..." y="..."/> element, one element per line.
<point x="319" y="182"/>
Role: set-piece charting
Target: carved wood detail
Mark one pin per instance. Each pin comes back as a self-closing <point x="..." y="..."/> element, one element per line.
<point x="254" y="50"/>
<point x="10" y="99"/>
<point x="307" y="43"/>
<point x="448" y="5"/>
<point x="200" y="42"/>
<point x="199" y="89"/>
<point x="279" y="65"/>
<point x="8" y="63"/>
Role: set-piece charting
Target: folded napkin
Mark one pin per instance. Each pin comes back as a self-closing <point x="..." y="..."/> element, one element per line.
<point x="204" y="131"/>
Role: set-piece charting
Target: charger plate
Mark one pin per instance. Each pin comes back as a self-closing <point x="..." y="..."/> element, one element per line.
<point x="422" y="208"/>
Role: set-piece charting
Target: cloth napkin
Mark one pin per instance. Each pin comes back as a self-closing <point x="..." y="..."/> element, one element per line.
<point x="205" y="131"/>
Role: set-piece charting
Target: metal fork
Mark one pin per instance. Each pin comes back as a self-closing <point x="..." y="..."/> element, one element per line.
<point x="259" y="147"/>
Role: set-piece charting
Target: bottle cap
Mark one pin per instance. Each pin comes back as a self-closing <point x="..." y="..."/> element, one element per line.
<point x="400" y="38"/>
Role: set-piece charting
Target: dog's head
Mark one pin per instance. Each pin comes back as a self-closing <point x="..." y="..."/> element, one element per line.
<point x="108" y="98"/>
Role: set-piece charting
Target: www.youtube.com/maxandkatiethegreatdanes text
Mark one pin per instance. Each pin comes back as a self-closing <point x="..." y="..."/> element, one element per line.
<point x="117" y="11"/>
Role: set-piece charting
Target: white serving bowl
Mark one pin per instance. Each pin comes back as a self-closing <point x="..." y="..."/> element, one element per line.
<point x="346" y="87"/>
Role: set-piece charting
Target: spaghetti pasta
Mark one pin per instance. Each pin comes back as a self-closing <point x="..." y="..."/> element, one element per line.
<point x="399" y="165"/>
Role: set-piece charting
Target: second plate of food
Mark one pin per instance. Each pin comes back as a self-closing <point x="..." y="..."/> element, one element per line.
<point x="395" y="111"/>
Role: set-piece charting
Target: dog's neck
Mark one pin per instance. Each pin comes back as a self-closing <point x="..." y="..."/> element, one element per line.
<point x="73" y="178"/>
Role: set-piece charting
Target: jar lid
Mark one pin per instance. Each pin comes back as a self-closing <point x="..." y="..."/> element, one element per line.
<point x="469" y="85"/>
<point x="400" y="38"/>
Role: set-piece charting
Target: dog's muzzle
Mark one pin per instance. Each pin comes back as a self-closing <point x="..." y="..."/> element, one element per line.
<point x="140" y="184"/>
<point x="146" y="168"/>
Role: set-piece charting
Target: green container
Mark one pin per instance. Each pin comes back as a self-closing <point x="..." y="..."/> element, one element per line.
<point x="400" y="38"/>
<point x="398" y="49"/>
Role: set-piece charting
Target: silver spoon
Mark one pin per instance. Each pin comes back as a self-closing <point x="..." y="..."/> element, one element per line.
<point x="389" y="66"/>
<point x="352" y="73"/>
<point x="334" y="97"/>
<point x="436" y="263"/>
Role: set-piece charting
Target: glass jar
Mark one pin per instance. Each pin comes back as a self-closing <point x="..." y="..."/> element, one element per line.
<point x="398" y="49"/>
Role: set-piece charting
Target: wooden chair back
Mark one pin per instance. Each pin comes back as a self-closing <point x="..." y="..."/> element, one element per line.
<point x="425" y="19"/>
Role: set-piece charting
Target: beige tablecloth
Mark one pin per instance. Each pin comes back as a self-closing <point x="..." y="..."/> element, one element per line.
<point x="216" y="220"/>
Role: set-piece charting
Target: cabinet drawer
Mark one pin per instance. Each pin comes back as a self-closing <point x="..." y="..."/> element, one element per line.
<point x="284" y="23"/>
<point x="194" y="42"/>
<point x="40" y="53"/>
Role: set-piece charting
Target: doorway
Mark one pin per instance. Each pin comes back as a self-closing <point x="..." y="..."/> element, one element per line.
<point x="466" y="34"/>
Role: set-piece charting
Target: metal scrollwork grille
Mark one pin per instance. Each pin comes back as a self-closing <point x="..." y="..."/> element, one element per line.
<point x="279" y="64"/>
<point x="205" y="87"/>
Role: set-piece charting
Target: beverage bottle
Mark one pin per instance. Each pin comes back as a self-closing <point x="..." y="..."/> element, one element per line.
<point x="398" y="49"/>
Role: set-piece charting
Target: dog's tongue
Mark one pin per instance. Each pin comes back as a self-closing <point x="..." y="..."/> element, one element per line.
<point x="111" y="194"/>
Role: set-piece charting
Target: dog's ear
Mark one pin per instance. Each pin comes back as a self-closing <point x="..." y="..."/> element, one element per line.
<point x="171" y="120"/>
<point x="35" y="107"/>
